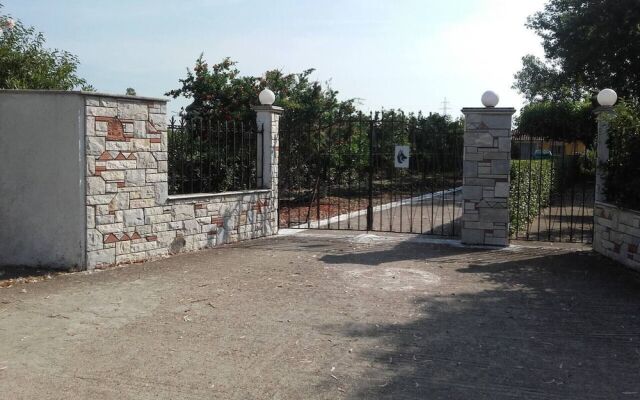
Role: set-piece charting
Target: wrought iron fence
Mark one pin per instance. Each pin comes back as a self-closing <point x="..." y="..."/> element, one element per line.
<point x="340" y="174"/>
<point x="207" y="156"/>
<point x="552" y="189"/>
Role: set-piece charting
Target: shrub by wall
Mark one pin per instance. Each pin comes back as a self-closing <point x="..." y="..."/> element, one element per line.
<point x="622" y="185"/>
<point x="530" y="190"/>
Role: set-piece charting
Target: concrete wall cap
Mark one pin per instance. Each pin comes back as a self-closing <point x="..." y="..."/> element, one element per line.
<point x="81" y="93"/>
<point x="267" y="107"/>
<point x="489" y="110"/>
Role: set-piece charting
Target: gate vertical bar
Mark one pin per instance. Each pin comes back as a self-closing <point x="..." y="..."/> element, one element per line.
<point x="370" y="181"/>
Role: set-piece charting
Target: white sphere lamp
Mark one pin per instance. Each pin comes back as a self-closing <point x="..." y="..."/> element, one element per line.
<point x="607" y="97"/>
<point x="266" y="97"/>
<point x="490" y="99"/>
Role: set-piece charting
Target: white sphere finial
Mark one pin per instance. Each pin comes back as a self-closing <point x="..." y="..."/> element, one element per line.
<point x="607" y="97"/>
<point x="490" y="99"/>
<point x="266" y="97"/>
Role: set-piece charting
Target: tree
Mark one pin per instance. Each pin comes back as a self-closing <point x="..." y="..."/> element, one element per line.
<point x="220" y="93"/>
<point x="622" y="183"/>
<point x="26" y="64"/>
<point x="130" y="91"/>
<point x="563" y="120"/>
<point x="588" y="45"/>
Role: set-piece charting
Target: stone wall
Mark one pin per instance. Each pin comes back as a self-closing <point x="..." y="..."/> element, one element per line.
<point x="486" y="164"/>
<point x="130" y="216"/>
<point x="617" y="234"/>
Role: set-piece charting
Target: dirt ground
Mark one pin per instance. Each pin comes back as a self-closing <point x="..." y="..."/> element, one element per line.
<point x="329" y="315"/>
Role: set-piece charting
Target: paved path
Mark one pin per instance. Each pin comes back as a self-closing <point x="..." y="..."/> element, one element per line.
<point x="329" y="316"/>
<point x="437" y="213"/>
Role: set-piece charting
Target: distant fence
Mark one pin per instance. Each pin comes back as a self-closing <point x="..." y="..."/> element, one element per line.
<point x="207" y="156"/>
<point x="552" y="189"/>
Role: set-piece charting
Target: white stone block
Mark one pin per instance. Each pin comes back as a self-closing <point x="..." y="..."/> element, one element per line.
<point x="95" y="185"/>
<point x="133" y="217"/>
<point x="135" y="177"/>
<point x="94" y="145"/>
<point x="101" y="257"/>
<point x="132" y="110"/>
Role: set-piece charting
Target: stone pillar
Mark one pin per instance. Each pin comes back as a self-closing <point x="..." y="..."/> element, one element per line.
<point x="486" y="167"/>
<point x="268" y="119"/>
<point x="603" y="114"/>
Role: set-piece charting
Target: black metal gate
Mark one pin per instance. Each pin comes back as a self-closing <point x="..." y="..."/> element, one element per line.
<point x="552" y="189"/>
<point x="385" y="172"/>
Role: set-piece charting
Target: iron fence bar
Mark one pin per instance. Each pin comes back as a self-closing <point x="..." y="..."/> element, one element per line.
<point x="350" y="177"/>
<point x="370" y="178"/>
<point x="528" y="198"/>
<point x="540" y="186"/>
<point x="563" y="174"/>
<point x="328" y="176"/>
<point x="551" y="190"/>
<point x="573" y="185"/>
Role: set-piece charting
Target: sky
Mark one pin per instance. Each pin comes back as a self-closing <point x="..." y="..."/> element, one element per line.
<point x="408" y="54"/>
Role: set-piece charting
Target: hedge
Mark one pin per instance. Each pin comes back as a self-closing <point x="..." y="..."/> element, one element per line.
<point x="622" y="184"/>
<point x="530" y="190"/>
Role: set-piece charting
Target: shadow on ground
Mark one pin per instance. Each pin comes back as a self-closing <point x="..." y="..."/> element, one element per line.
<point x="537" y="324"/>
<point x="9" y="275"/>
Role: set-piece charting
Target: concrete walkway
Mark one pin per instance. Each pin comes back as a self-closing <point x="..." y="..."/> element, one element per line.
<point x="326" y="315"/>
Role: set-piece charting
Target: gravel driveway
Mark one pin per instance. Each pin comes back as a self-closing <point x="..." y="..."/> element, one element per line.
<point x="325" y="315"/>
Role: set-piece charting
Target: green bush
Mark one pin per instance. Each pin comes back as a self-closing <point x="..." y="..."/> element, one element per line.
<point x="622" y="185"/>
<point x="530" y="190"/>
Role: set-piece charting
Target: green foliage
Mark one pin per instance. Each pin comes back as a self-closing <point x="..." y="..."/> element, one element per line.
<point x="558" y="120"/>
<point x="222" y="94"/>
<point x="530" y="190"/>
<point x="130" y="91"/>
<point x="26" y="64"/>
<point x="623" y="169"/>
<point x="588" y="45"/>
<point x="539" y="81"/>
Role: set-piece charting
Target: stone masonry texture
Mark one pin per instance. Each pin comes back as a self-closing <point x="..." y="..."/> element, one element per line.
<point x="617" y="234"/>
<point x="130" y="216"/>
<point x="486" y="164"/>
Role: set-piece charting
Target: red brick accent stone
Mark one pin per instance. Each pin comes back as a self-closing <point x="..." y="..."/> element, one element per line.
<point x="155" y="140"/>
<point x="115" y="130"/>
<point x="217" y="220"/>
<point x="135" y="236"/>
<point x="120" y="156"/>
<point x="152" y="129"/>
<point x="131" y="157"/>
<point x="152" y="238"/>
<point x="120" y="184"/>
<point x="105" y="156"/>
<point x="111" y="238"/>
<point x="125" y="237"/>
<point x="100" y="169"/>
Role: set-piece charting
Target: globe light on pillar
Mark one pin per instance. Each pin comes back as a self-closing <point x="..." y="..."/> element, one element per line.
<point x="266" y="97"/>
<point x="607" y="97"/>
<point x="490" y="99"/>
